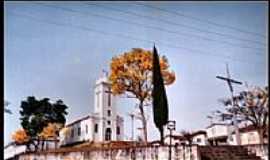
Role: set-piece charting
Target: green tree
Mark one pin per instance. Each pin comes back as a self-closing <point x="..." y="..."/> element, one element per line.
<point x="6" y="103"/>
<point x="37" y="114"/>
<point x="160" y="103"/>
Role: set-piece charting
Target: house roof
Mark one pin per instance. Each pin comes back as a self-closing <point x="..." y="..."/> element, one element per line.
<point x="216" y="124"/>
<point x="199" y="133"/>
<point x="180" y="137"/>
<point x="247" y="129"/>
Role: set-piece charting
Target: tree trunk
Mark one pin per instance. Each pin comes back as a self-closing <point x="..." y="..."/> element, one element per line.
<point x="260" y="133"/>
<point x="144" y="123"/>
<point x="42" y="145"/>
<point x="162" y="135"/>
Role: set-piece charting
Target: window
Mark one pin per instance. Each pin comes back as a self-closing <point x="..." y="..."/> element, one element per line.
<point x="109" y="96"/>
<point x="109" y="112"/>
<point x="79" y="131"/>
<point x="96" y="128"/>
<point x="108" y="134"/>
<point x="108" y="122"/>
<point x="199" y="140"/>
<point x="72" y="133"/>
<point x="86" y="129"/>
<point x="118" y="130"/>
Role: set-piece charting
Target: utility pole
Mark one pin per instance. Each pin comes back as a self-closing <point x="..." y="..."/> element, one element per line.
<point x="230" y="81"/>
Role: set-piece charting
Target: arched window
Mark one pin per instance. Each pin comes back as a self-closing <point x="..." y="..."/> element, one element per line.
<point x="108" y="134"/>
<point x="118" y="130"/>
<point x="96" y="128"/>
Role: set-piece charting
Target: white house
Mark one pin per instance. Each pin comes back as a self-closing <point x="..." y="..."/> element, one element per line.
<point x="218" y="133"/>
<point x="105" y="124"/>
<point x="198" y="137"/>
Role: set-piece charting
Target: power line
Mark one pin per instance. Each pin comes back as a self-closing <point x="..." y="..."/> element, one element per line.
<point x="203" y="20"/>
<point x="179" y="24"/>
<point x="149" y="26"/>
<point x="123" y="36"/>
<point x="172" y="23"/>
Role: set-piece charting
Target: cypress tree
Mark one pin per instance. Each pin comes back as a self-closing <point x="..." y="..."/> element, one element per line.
<point x="160" y="103"/>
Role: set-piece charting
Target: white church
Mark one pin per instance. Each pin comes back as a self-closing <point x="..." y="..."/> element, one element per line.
<point x="105" y="124"/>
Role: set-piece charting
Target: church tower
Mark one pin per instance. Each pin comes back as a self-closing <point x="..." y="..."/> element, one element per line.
<point x="108" y="125"/>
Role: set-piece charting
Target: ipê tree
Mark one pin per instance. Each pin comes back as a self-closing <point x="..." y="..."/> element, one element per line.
<point x="131" y="74"/>
<point x="51" y="131"/>
<point x="250" y="106"/>
<point x="37" y="114"/>
<point x="20" y="137"/>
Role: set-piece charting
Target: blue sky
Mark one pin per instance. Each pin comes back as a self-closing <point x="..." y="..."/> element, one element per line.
<point x="58" y="51"/>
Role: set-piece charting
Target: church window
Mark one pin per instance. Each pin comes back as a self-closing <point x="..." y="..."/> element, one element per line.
<point x="109" y="112"/>
<point x="96" y="128"/>
<point x="108" y="134"/>
<point x="108" y="122"/>
<point x="79" y="131"/>
<point x="86" y="129"/>
<point x="118" y="130"/>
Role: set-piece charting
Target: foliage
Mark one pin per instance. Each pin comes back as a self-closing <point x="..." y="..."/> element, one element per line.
<point x="51" y="131"/>
<point x="131" y="74"/>
<point x="37" y="114"/>
<point x="20" y="136"/>
<point x="188" y="136"/>
<point x="160" y="103"/>
<point x="251" y="106"/>
<point x="6" y="110"/>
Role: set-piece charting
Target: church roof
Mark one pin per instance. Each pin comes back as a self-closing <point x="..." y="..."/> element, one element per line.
<point x="79" y="120"/>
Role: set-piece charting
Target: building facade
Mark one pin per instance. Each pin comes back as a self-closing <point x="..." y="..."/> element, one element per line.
<point x="105" y="124"/>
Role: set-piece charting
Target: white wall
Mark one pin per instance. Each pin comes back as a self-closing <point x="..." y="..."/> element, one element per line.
<point x="217" y="131"/>
<point x="199" y="139"/>
<point x="13" y="150"/>
<point x="84" y="136"/>
<point x="251" y="137"/>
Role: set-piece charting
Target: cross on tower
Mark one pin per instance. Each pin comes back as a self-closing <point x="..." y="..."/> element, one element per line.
<point x="230" y="81"/>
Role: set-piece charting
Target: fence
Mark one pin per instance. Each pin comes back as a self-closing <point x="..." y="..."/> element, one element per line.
<point x="130" y="153"/>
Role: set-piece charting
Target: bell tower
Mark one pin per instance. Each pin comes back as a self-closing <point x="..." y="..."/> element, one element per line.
<point x="105" y="111"/>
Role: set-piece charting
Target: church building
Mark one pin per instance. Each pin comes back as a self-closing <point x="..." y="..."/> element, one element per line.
<point x="105" y="124"/>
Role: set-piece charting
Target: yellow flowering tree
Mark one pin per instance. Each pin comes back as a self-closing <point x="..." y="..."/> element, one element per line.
<point x="131" y="74"/>
<point x="49" y="132"/>
<point x="20" y="136"/>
